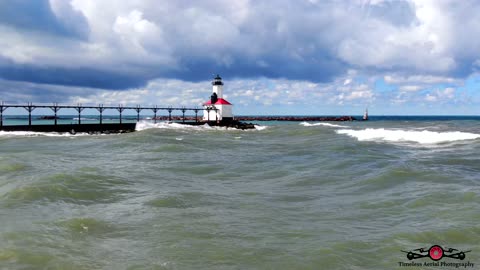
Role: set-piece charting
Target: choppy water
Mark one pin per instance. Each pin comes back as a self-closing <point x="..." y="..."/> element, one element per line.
<point x="289" y="196"/>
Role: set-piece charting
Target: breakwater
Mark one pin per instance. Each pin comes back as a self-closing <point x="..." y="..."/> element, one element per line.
<point x="101" y="127"/>
<point x="30" y="107"/>
<point x="296" y="118"/>
<point x="267" y="118"/>
<point x="192" y="118"/>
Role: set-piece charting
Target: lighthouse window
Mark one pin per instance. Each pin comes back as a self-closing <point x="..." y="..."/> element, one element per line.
<point x="214" y="98"/>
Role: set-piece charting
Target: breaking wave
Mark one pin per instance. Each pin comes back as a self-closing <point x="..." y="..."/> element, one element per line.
<point x="37" y="134"/>
<point x="144" y="125"/>
<point x="306" y="124"/>
<point x="260" y="127"/>
<point x="421" y="137"/>
<point x="85" y="119"/>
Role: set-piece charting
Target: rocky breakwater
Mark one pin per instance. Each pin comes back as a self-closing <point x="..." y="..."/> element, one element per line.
<point x="227" y="124"/>
<point x="296" y="118"/>
<point x="236" y="124"/>
<point x="265" y="118"/>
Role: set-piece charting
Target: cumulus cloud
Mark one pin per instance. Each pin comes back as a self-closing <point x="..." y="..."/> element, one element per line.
<point x="295" y="51"/>
<point x="54" y="16"/>
<point x="426" y="79"/>
<point x="410" y="88"/>
<point x="438" y="95"/>
<point x="312" y="40"/>
<point x="357" y="93"/>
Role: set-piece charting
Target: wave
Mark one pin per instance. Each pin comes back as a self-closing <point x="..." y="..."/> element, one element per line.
<point x="144" y="125"/>
<point x="421" y="137"/>
<point x="306" y="124"/>
<point x="74" y="187"/>
<point x="87" y="225"/>
<point x="36" y="134"/>
<point x="257" y="127"/>
<point x="85" y="119"/>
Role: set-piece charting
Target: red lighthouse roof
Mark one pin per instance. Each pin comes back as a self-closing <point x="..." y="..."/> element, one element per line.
<point x="220" y="101"/>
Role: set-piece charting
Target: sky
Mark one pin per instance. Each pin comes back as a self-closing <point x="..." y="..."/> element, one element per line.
<point x="304" y="57"/>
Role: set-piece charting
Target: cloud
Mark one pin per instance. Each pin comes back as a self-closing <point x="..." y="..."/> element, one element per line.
<point x="299" y="40"/>
<point x="161" y="92"/>
<point x="410" y="88"/>
<point x="22" y="92"/>
<point x="408" y="85"/>
<point x="431" y="98"/>
<point x="315" y="52"/>
<point x="443" y="95"/>
<point x="55" y="17"/>
<point x="82" y="76"/>
<point x="359" y="93"/>
<point x="426" y="79"/>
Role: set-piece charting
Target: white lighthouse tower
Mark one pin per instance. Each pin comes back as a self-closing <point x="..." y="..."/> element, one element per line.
<point x="217" y="108"/>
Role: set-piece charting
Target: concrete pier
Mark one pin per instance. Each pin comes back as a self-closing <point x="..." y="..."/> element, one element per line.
<point x="102" y="127"/>
<point x="75" y="128"/>
<point x="122" y="127"/>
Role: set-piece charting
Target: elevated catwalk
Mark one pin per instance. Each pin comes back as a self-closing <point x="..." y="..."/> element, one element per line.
<point x="122" y="127"/>
<point x="101" y="127"/>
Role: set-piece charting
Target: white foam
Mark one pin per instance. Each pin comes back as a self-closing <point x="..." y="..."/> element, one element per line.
<point x="144" y="125"/>
<point x="85" y="119"/>
<point x="37" y="134"/>
<point x="306" y="124"/>
<point x="421" y="137"/>
<point x="257" y="127"/>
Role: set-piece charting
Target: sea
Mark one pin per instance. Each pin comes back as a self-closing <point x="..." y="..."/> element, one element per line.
<point x="286" y="195"/>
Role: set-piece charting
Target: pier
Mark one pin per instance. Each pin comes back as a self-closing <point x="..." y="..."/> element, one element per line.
<point x="216" y="111"/>
<point x="173" y="114"/>
<point x="101" y="127"/>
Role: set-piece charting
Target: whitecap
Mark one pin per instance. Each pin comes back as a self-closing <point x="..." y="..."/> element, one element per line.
<point x="36" y="134"/>
<point x="144" y="125"/>
<point x="306" y="124"/>
<point x="257" y="127"/>
<point x="421" y="137"/>
<point x="85" y="119"/>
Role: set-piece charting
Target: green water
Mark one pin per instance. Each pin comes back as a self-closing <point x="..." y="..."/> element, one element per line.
<point x="290" y="196"/>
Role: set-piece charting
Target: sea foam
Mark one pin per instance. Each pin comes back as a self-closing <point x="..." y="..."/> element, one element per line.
<point x="36" y="134"/>
<point x="421" y="137"/>
<point x="306" y="124"/>
<point x="144" y="125"/>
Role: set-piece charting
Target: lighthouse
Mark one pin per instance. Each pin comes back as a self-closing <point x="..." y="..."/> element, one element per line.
<point x="217" y="108"/>
<point x="365" y="115"/>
